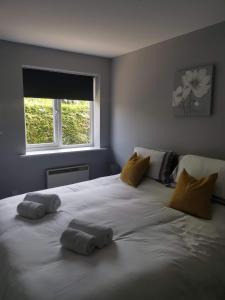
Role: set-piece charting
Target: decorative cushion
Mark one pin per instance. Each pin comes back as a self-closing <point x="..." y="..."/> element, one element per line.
<point x="199" y="166"/>
<point x="134" y="170"/>
<point x="162" y="163"/>
<point x="173" y="175"/>
<point x="193" y="196"/>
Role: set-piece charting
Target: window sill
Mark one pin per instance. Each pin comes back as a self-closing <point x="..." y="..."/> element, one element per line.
<point x="60" y="151"/>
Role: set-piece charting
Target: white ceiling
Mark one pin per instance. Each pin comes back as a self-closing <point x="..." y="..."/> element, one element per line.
<point x="104" y="27"/>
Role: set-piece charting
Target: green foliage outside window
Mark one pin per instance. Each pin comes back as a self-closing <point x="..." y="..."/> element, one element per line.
<point x="75" y="123"/>
<point x="39" y="121"/>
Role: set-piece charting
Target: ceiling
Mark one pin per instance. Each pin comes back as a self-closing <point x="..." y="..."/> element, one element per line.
<point x="104" y="27"/>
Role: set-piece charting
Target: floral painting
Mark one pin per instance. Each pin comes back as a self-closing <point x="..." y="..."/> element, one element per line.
<point x="192" y="95"/>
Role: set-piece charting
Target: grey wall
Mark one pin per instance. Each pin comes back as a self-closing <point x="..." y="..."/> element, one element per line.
<point x="142" y="85"/>
<point x="21" y="174"/>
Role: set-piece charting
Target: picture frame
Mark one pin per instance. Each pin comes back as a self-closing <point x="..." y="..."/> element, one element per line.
<point x="193" y="91"/>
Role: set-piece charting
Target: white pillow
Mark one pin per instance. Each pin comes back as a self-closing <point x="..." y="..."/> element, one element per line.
<point x="161" y="163"/>
<point x="199" y="166"/>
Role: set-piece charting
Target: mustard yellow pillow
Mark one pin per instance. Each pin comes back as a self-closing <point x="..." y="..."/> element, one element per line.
<point x="193" y="196"/>
<point x="134" y="170"/>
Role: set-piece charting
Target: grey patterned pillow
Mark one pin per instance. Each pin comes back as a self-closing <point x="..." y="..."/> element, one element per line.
<point x="162" y="163"/>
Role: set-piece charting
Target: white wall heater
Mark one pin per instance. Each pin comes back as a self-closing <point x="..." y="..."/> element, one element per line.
<point x="66" y="175"/>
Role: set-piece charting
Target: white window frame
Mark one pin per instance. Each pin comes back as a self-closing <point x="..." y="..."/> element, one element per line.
<point x="57" y="144"/>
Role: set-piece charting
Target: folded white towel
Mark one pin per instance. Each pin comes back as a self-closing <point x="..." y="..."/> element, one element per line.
<point x="50" y="201"/>
<point x="31" y="210"/>
<point x="78" y="241"/>
<point x="103" y="234"/>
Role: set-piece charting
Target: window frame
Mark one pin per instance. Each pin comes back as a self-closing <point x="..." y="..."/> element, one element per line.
<point x="57" y="127"/>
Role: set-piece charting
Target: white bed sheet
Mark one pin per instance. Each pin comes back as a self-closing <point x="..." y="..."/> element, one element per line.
<point x="157" y="253"/>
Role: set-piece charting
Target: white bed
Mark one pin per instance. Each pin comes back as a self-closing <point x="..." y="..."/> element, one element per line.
<point x="157" y="253"/>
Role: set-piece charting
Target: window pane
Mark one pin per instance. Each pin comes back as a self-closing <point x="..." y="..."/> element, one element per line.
<point x="39" y="120"/>
<point x="76" y="123"/>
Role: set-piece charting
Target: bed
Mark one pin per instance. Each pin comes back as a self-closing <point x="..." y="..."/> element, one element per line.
<point x="157" y="252"/>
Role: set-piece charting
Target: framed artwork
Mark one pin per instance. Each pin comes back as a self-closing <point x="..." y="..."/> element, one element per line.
<point x="192" y="95"/>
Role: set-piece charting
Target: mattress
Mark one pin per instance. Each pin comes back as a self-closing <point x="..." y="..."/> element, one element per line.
<point x="157" y="252"/>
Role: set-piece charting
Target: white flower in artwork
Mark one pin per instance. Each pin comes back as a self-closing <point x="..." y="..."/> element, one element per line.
<point x="196" y="103"/>
<point x="197" y="82"/>
<point x="186" y="91"/>
<point x="180" y="94"/>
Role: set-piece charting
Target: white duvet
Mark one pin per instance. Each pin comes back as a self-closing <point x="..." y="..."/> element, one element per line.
<point x="157" y="253"/>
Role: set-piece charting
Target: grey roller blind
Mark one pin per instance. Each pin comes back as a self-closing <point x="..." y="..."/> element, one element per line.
<point x="55" y="85"/>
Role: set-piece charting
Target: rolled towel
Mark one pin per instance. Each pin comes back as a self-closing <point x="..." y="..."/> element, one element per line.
<point x="78" y="241"/>
<point x="50" y="201"/>
<point x="31" y="210"/>
<point x="103" y="234"/>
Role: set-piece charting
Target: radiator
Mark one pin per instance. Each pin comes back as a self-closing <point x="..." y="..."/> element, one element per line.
<point x="66" y="175"/>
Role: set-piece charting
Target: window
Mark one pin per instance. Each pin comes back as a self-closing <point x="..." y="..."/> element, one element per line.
<point x="52" y="123"/>
<point x="54" y="117"/>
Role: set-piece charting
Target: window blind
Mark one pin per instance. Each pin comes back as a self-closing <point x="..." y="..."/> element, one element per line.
<point x="55" y="85"/>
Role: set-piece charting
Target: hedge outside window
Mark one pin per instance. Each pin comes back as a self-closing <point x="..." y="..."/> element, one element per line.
<point x="52" y="123"/>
